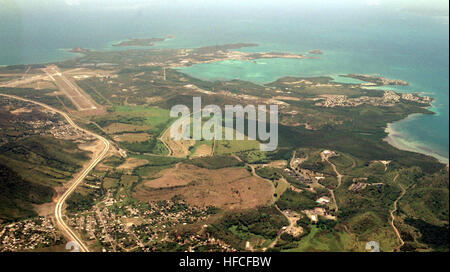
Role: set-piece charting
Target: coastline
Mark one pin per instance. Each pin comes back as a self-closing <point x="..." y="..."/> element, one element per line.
<point x="399" y="141"/>
<point x="394" y="137"/>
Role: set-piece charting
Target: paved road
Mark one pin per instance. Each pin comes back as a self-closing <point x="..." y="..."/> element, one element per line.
<point x="292" y="224"/>
<point x="339" y="178"/>
<point x="395" y="209"/>
<point x="166" y="134"/>
<point x="162" y="139"/>
<point x="70" y="235"/>
<point x="23" y="80"/>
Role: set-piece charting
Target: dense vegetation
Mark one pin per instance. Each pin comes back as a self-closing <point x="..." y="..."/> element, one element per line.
<point x="297" y="202"/>
<point x="44" y="160"/>
<point x="17" y="195"/>
<point x="78" y="202"/>
<point x="236" y="228"/>
<point x="30" y="168"/>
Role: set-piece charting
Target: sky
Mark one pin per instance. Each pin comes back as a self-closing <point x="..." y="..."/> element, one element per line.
<point x="426" y="5"/>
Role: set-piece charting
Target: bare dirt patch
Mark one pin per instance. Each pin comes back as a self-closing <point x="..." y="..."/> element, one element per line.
<point x="94" y="146"/>
<point x="120" y="127"/>
<point x="45" y="209"/>
<point x="290" y="98"/>
<point x="132" y="137"/>
<point x="202" y="151"/>
<point x="21" y="110"/>
<point x="229" y="188"/>
<point x="154" y="99"/>
<point x="132" y="163"/>
<point x="41" y="85"/>
<point x="277" y="164"/>
<point x="179" y="148"/>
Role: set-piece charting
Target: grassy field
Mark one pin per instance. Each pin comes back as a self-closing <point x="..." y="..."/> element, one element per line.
<point x="136" y="128"/>
<point x="151" y="119"/>
<point x="319" y="240"/>
<point x="226" y="146"/>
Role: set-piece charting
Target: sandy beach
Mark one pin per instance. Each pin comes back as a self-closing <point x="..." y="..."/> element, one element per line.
<point x="397" y="140"/>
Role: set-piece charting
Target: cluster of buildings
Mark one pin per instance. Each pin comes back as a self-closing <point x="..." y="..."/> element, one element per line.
<point x="48" y="124"/>
<point x="200" y="243"/>
<point x="389" y="98"/>
<point x="129" y="225"/>
<point x="304" y="176"/>
<point x="29" y="234"/>
<point x="361" y="183"/>
<point x="314" y="214"/>
<point x="301" y="175"/>
<point x="62" y="130"/>
<point x="417" y="98"/>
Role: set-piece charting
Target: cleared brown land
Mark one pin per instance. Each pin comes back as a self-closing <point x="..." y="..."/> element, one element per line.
<point x="154" y="99"/>
<point x="287" y="98"/>
<point x="179" y="148"/>
<point x="202" y="151"/>
<point x="229" y="188"/>
<point x="120" y="127"/>
<point x="41" y="85"/>
<point x="277" y="164"/>
<point x="132" y="163"/>
<point x="132" y="137"/>
<point x="21" y="110"/>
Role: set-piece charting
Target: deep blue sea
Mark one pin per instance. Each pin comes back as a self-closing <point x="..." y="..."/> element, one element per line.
<point x="390" y="42"/>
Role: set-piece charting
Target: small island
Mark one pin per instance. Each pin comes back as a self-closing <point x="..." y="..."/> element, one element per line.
<point x="140" y="42"/>
<point x="79" y="50"/>
<point x="316" y="52"/>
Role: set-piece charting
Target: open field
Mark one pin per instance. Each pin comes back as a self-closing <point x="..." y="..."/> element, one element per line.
<point x="134" y="119"/>
<point x="233" y="146"/>
<point x="229" y="188"/>
<point x="203" y="149"/>
<point x="178" y="148"/>
<point x="132" y="163"/>
<point x="132" y="137"/>
<point x="114" y="128"/>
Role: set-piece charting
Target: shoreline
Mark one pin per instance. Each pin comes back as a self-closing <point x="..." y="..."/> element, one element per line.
<point x="394" y="138"/>
<point x="399" y="141"/>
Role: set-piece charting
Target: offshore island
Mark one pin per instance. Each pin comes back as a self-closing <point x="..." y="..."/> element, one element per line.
<point x="143" y="42"/>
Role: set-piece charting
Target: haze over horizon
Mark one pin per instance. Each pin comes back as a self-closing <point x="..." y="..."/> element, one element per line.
<point x="426" y="5"/>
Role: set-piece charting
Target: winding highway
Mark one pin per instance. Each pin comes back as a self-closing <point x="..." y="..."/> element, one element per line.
<point x="67" y="231"/>
<point x="338" y="175"/>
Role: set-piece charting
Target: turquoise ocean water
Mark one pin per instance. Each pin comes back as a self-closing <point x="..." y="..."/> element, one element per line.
<point x="355" y="39"/>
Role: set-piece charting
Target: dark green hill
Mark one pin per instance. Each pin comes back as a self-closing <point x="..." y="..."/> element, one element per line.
<point x="30" y="168"/>
<point x="17" y="195"/>
<point x="43" y="160"/>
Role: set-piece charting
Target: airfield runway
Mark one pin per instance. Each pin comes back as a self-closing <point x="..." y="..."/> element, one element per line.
<point x="70" y="89"/>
